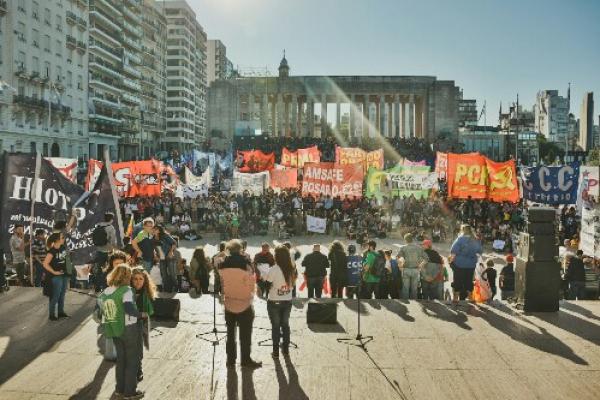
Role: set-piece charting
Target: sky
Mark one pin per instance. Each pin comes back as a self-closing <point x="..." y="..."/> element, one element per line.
<point x="492" y="49"/>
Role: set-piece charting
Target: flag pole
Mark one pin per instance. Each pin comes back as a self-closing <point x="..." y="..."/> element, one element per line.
<point x="36" y="177"/>
<point x="111" y="180"/>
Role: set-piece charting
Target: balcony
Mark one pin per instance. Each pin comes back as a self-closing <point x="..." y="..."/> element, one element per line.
<point x="130" y="98"/>
<point x="71" y="42"/>
<point x="132" y="71"/>
<point x="99" y="47"/>
<point x="21" y="70"/>
<point x="137" y="32"/>
<point x="105" y="119"/>
<point x="131" y="84"/>
<point x="81" y="46"/>
<point x="105" y="5"/>
<point x="71" y="18"/>
<point x="132" y="43"/>
<point x="105" y="100"/>
<point x="81" y="24"/>
<point x="98" y="17"/>
<point x="105" y="67"/>
<point x="3" y="7"/>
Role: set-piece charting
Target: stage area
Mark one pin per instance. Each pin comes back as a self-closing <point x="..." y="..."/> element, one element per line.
<point x="421" y="351"/>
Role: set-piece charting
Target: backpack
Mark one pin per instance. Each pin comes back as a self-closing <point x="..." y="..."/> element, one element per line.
<point x="378" y="267"/>
<point x="99" y="236"/>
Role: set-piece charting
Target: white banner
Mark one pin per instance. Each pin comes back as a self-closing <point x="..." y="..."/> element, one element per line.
<point x="589" y="186"/>
<point x="253" y="183"/>
<point x="67" y="166"/>
<point x="195" y="186"/>
<point x="590" y="231"/>
<point x="403" y="181"/>
<point x="314" y="224"/>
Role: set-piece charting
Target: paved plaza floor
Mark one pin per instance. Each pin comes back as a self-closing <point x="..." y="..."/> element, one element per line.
<point x="421" y="350"/>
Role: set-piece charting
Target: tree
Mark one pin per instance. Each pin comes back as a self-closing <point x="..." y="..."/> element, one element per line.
<point x="549" y="150"/>
<point x="593" y="158"/>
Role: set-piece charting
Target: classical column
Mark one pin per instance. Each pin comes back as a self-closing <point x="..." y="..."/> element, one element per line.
<point x="323" y="114"/>
<point x="419" y="117"/>
<point x="396" y="115"/>
<point x="273" y="116"/>
<point x="279" y="128"/>
<point x="378" y="115"/>
<point x="365" y="116"/>
<point x="338" y="117"/>
<point x="286" y="116"/>
<point x="390" y="117"/>
<point x="295" y="119"/>
<point x="310" y="114"/>
<point x="352" y="122"/>
<point x="411" y="115"/>
<point x="403" y="123"/>
<point x="264" y="113"/>
<point x="251" y="107"/>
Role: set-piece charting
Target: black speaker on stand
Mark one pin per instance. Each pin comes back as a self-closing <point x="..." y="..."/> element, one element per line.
<point x="537" y="270"/>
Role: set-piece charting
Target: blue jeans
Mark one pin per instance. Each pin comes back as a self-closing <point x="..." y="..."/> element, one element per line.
<point x="147" y="265"/>
<point x="577" y="290"/>
<point x="38" y="271"/>
<point x="410" y="283"/>
<point x="279" y="314"/>
<point x="168" y="275"/>
<point x="59" y="288"/>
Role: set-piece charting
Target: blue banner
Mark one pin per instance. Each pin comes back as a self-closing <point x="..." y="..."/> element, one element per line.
<point x="551" y="185"/>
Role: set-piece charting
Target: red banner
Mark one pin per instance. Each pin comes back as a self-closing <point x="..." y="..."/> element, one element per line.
<point x="253" y="161"/>
<point x="467" y="176"/>
<point x="94" y="168"/>
<point x="284" y="178"/>
<point x="333" y="180"/>
<point x="298" y="158"/>
<point x="502" y="178"/>
<point x="138" y="178"/>
<point x="441" y="164"/>
<point x="354" y="155"/>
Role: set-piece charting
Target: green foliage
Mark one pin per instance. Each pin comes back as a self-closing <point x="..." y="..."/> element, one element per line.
<point x="593" y="158"/>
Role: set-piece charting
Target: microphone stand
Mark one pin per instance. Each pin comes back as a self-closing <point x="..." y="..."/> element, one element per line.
<point x="206" y="336"/>
<point x="360" y="340"/>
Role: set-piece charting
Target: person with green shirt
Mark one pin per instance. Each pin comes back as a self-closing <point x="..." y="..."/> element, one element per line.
<point x="120" y="322"/>
<point x="371" y="275"/>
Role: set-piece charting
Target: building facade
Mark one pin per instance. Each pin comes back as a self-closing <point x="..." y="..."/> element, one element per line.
<point x="552" y="116"/>
<point x="153" y="80"/>
<point x="586" y="122"/>
<point x="43" y="75"/>
<point x="467" y="111"/>
<point x="405" y="106"/>
<point x="186" y="77"/>
<point x="217" y="64"/>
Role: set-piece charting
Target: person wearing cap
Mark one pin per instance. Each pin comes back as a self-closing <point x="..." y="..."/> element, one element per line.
<point x="412" y="258"/>
<point x="432" y="275"/>
<point x="507" y="279"/>
<point x="464" y="254"/>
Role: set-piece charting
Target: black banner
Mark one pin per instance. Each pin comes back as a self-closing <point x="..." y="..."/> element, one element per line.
<point x="55" y="199"/>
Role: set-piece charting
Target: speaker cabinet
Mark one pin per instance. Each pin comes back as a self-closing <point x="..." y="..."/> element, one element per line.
<point x="537" y="248"/>
<point x="537" y="285"/>
<point x="541" y="214"/>
<point x="321" y="313"/>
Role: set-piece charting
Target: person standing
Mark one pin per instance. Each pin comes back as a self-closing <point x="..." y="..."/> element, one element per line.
<point x="282" y="277"/>
<point x="354" y="269"/>
<point x="394" y="284"/>
<point x="38" y="250"/>
<point x="463" y="255"/>
<point x="315" y="270"/>
<point x="104" y="238"/>
<point x="200" y="267"/>
<point x="17" y="249"/>
<point x="432" y="275"/>
<point x="490" y="273"/>
<point x="373" y="266"/>
<point x="412" y="259"/>
<point x="264" y="258"/>
<point x="55" y="264"/>
<point x="166" y="246"/>
<point x="144" y="244"/>
<point x="507" y="278"/>
<point x="144" y="293"/>
<point x="339" y="264"/>
<point x="239" y="287"/>
<point x="575" y="276"/>
<point x="120" y="322"/>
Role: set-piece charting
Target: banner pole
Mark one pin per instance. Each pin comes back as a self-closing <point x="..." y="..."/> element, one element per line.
<point x="113" y="188"/>
<point x="36" y="177"/>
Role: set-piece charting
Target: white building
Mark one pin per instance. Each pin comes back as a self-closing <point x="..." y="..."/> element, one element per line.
<point x="552" y="116"/>
<point x="43" y="70"/>
<point x="186" y="77"/>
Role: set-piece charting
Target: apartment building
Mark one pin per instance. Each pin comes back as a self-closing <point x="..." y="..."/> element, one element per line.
<point x="43" y="77"/>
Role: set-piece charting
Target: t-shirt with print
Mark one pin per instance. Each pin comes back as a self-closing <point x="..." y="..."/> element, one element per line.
<point x="145" y="242"/>
<point x="280" y="290"/>
<point x="127" y="298"/>
<point x="59" y="258"/>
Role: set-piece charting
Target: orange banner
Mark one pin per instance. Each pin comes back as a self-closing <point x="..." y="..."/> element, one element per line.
<point x="253" y="161"/>
<point x="329" y="179"/>
<point x="284" y="178"/>
<point x="138" y="178"/>
<point x="502" y="178"/>
<point x="467" y="176"/>
<point x="354" y="155"/>
<point x="298" y="158"/>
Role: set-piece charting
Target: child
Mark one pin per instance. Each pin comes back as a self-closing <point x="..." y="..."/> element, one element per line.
<point x="116" y="258"/>
<point x="119" y="320"/>
<point x="144" y="291"/>
<point x="490" y="273"/>
<point x="507" y="278"/>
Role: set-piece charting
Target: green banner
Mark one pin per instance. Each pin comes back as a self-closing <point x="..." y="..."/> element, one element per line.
<point x="399" y="181"/>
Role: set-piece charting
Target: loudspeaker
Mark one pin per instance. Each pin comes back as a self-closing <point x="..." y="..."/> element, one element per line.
<point x="166" y="309"/>
<point x="540" y="228"/>
<point x="321" y="313"/>
<point x="541" y="214"/>
<point x="537" y="248"/>
<point x="537" y="285"/>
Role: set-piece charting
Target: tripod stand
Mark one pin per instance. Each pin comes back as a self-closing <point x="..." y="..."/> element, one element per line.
<point x="360" y="340"/>
<point x="214" y="331"/>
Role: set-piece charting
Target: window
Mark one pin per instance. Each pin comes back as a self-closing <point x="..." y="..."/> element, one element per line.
<point x="59" y="77"/>
<point x="21" y="59"/>
<point x="69" y="79"/>
<point x="59" y="23"/>
<point x="47" y="17"/>
<point x="21" y="6"/>
<point x="35" y="10"/>
<point x="79" y="82"/>
<point x="21" y="31"/>
<point x="47" y="69"/>
<point x="59" y="47"/>
<point x="36" y="38"/>
<point x="36" y="65"/>
<point x="47" y="43"/>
